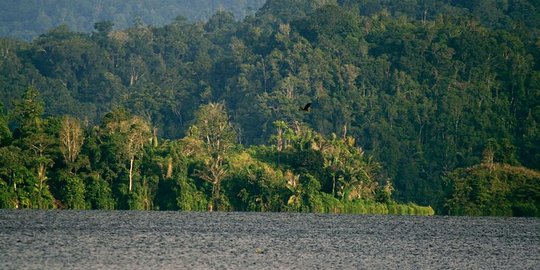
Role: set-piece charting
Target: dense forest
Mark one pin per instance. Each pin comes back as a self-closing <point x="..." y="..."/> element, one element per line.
<point x="28" y="19"/>
<point x="433" y="102"/>
<point x="56" y="162"/>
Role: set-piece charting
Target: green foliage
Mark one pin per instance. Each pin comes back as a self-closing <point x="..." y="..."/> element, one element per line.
<point x="8" y="197"/>
<point x="13" y="175"/>
<point x="494" y="189"/>
<point x="72" y="191"/>
<point x="5" y="133"/>
<point x="189" y="198"/>
<point x="28" y="111"/>
<point x="329" y="204"/>
<point x="412" y="91"/>
<point x="255" y="186"/>
<point x="216" y="136"/>
<point x="169" y="176"/>
<point x="98" y="193"/>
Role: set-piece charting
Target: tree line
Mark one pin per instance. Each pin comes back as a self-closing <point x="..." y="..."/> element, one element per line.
<point x="61" y="162"/>
<point x="423" y="87"/>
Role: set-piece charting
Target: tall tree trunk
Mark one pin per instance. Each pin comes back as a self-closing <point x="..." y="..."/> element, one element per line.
<point x="215" y="193"/>
<point x="131" y="173"/>
<point x="42" y="177"/>
<point x="333" y="184"/>
<point x="169" y="168"/>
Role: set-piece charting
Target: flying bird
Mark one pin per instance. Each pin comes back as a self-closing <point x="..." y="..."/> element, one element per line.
<point x="306" y="108"/>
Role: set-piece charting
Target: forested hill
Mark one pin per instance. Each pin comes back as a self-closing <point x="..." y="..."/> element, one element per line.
<point x="28" y="19"/>
<point x="425" y="87"/>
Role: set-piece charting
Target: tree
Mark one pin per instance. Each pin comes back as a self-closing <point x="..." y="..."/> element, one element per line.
<point x="138" y="134"/>
<point x="13" y="176"/>
<point x="28" y="111"/>
<point x="72" y="192"/>
<point x="98" y="193"/>
<point x="334" y="158"/>
<point x="71" y="140"/>
<point x="212" y="127"/>
<point x="120" y="139"/>
<point x="134" y="132"/>
<point x="35" y="140"/>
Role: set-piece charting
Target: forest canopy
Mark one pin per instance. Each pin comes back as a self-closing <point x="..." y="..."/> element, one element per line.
<point x="419" y="89"/>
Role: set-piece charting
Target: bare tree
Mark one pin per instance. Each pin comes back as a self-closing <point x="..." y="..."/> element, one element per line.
<point x="71" y="139"/>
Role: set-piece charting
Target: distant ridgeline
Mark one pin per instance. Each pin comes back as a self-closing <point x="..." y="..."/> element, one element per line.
<point x="429" y="90"/>
<point x="30" y="18"/>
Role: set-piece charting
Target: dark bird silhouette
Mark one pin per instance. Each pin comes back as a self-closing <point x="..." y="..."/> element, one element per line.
<point x="306" y="108"/>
